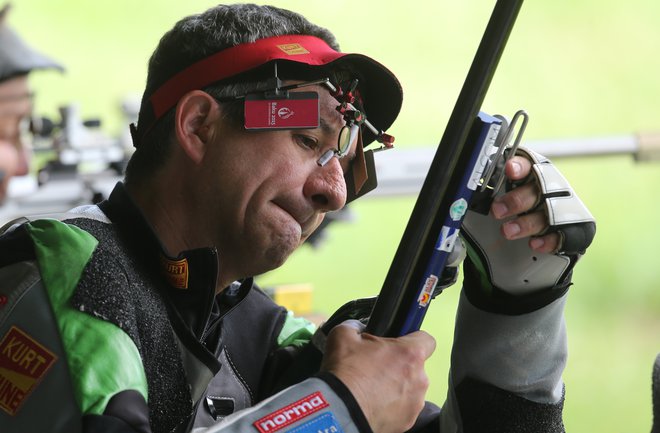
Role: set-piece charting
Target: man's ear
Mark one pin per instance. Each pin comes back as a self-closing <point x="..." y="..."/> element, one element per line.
<point x="195" y="116"/>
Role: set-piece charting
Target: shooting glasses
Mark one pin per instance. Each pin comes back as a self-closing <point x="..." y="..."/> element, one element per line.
<point x="353" y="117"/>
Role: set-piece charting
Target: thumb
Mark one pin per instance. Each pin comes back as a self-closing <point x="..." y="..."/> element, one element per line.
<point x="420" y="339"/>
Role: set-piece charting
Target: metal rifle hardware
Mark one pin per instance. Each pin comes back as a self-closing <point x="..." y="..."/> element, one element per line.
<point x="400" y="291"/>
<point x="502" y="146"/>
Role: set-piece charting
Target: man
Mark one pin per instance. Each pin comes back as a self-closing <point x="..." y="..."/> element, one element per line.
<point x="17" y="59"/>
<point x="149" y="297"/>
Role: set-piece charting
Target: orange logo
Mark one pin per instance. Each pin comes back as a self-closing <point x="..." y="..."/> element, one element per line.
<point x="425" y="296"/>
<point x="176" y="272"/>
<point x="23" y="363"/>
<point x="293" y="49"/>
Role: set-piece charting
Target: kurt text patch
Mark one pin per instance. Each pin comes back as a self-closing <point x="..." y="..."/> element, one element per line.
<point x="176" y="272"/>
<point x="23" y="363"/>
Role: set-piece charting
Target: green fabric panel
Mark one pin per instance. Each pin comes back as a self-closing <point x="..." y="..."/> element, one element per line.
<point x="486" y="285"/>
<point x="102" y="359"/>
<point x="296" y="331"/>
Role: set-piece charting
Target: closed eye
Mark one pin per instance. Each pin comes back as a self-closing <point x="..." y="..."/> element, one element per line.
<point x="306" y="141"/>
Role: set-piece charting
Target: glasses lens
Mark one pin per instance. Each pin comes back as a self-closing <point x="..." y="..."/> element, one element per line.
<point x="344" y="142"/>
<point x="347" y="136"/>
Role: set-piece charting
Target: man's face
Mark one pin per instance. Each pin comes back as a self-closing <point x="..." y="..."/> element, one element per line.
<point x="15" y="108"/>
<point x="267" y="193"/>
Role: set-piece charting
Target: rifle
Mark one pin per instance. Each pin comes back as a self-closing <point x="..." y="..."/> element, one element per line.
<point x="403" y="300"/>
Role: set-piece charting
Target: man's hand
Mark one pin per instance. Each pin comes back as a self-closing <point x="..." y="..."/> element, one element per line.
<point x="520" y="200"/>
<point x="385" y="375"/>
<point x="535" y="232"/>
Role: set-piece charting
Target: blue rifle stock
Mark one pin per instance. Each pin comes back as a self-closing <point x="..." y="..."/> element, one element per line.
<point x="398" y="310"/>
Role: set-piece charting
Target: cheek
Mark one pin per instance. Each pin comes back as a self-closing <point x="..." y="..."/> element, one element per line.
<point x="8" y="156"/>
<point x="267" y="164"/>
<point x="280" y="176"/>
<point x="265" y="183"/>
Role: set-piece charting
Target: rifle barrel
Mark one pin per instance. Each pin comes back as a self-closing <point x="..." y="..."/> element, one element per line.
<point x="400" y="285"/>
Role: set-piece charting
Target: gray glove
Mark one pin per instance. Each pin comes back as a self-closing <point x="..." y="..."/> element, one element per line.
<point x="511" y="266"/>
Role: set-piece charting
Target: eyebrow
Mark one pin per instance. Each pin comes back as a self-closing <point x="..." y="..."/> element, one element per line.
<point x="325" y="126"/>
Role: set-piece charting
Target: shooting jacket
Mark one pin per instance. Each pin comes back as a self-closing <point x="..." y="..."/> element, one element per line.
<point x="100" y="331"/>
<point x="127" y="338"/>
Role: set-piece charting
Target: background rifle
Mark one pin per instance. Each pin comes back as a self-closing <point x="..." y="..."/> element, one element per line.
<point x="403" y="172"/>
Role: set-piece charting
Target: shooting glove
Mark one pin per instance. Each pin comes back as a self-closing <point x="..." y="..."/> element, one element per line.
<point x="506" y="269"/>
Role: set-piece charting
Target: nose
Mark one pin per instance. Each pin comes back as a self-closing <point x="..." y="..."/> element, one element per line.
<point x="326" y="188"/>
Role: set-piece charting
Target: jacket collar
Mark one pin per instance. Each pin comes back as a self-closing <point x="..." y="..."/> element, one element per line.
<point x="188" y="280"/>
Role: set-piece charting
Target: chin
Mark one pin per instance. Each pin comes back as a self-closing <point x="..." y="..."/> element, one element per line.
<point x="277" y="253"/>
<point x="276" y="257"/>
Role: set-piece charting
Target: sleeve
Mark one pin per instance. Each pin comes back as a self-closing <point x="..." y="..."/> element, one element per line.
<point x="321" y="403"/>
<point x="107" y="375"/>
<point x="53" y="359"/>
<point x="293" y="389"/>
<point x="506" y="369"/>
<point x="105" y="367"/>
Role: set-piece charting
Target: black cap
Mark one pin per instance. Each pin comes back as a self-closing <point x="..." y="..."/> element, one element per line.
<point x="16" y="57"/>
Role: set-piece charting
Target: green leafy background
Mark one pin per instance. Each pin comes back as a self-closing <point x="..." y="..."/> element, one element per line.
<point x="580" y="68"/>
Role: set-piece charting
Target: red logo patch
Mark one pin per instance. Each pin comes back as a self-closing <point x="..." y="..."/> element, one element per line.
<point x="176" y="272"/>
<point x="291" y="413"/>
<point x="23" y="363"/>
<point x="293" y="49"/>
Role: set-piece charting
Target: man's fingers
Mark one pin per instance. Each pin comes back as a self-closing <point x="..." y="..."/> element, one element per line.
<point x="516" y="201"/>
<point x="545" y="244"/>
<point x="349" y="330"/>
<point x="527" y="225"/>
<point x="385" y="375"/>
<point x="519" y="201"/>
<point x="517" y="168"/>
<point x="352" y="330"/>
<point x="531" y="225"/>
<point x="354" y="324"/>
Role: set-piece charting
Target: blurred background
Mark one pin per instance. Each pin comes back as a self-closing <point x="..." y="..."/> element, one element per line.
<point x="582" y="70"/>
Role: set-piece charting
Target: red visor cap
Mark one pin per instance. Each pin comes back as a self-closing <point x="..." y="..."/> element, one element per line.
<point x="297" y="57"/>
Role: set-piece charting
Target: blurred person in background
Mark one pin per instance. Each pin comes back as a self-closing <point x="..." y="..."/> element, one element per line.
<point x="655" y="388"/>
<point x="17" y="60"/>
